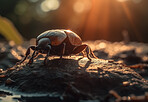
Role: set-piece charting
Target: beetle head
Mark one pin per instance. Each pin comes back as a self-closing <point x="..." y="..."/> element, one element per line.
<point x="44" y="45"/>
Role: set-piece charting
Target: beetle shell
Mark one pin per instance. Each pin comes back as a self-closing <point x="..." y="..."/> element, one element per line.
<point x="58" y="36"/>
<point x="73" y="38"/>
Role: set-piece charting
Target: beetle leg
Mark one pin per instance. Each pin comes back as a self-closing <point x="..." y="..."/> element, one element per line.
<point x="79" y="49"/>
<point x="45" y="60"/>
<point x="88" y="52"/>
<point x="48" y="52"/>
<point x="84" y="48"/>
<point x="36" y="54"/>
<point x="83" y="53"/>
<point x="91" y="53"/>
<point x="63" y="50"/>
<point x="27" y="53"/>
<point x="31" y="59"/>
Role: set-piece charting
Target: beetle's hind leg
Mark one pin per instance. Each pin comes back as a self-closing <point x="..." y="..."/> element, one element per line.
<point x="26" y="55"/>
<point x="90" y="52"/>
<point x="84" y="49"/>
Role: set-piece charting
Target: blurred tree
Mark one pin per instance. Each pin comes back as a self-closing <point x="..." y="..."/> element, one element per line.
<point x="8" y="30"/>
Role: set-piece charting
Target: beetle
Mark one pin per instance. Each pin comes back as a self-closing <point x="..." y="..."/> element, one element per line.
<point x="58" y="42"/>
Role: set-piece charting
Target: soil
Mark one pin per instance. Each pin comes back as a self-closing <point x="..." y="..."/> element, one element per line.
<point x="121" y="70"/>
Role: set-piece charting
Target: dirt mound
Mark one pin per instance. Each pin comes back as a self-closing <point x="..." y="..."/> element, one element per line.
<point x="76" y="77"/>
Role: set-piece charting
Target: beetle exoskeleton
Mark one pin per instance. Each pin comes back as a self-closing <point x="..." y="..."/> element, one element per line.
<point x="60" y="43"/>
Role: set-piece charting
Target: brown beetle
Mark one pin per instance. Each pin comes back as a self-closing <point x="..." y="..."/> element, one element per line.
<point x="58" y="42"/>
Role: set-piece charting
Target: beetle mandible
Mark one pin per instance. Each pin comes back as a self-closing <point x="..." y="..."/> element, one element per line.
<point x="58" y="42"/>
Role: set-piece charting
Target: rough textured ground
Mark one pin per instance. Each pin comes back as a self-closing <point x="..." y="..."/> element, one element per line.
<point x="77" y="78"/>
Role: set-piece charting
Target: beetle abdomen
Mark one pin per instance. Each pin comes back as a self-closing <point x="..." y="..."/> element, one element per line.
<point x="73" y="38"/>
<point x="56" y="36"/>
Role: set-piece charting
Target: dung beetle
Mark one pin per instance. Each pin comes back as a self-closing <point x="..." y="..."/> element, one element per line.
<point x="58" y="42"/>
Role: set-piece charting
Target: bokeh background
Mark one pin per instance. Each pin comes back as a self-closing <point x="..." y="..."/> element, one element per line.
<point x="112" y="20"/>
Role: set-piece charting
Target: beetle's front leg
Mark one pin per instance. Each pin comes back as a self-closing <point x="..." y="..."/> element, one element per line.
<point x="26" y="55"/>
<point x="33" y="56"/>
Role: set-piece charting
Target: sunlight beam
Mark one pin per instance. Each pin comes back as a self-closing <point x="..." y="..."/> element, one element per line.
<point x="130" y="18"/>
<point x="97" y="20"/>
